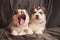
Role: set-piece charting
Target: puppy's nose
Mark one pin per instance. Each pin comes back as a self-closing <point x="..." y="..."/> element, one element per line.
<point x="37" y="16"/>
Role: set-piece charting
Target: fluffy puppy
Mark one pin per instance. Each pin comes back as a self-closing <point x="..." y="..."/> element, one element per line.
<point x="38" y="20"/>
<point x="19" y="24"/>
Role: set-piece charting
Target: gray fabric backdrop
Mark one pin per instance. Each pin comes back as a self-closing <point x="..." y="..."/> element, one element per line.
<point x="52" y="17"/>
<point x="52" y="6"/>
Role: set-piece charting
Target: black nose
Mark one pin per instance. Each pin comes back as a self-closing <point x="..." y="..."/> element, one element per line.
<point x="37" y="16"/>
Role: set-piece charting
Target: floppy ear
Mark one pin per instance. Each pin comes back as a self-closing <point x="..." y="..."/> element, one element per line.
<point x="15" y="12"/>
<point x="31" y="10"/>
<point x="45" y="11"/>
<point x="43" y="8"/>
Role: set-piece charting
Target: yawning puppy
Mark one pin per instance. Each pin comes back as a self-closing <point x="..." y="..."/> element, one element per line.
<point x="19" y="24"/>
<point x="38" y="20"/>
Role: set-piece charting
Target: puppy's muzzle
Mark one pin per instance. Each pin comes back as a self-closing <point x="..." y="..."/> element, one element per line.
<point x="37" y="16"/>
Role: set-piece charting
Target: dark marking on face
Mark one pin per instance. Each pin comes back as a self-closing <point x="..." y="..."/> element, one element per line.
<point x="15" y="12"/>
<point x="38" y="8"/>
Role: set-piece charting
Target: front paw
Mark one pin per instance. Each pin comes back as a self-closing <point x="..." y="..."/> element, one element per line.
<point x="29" y="31"/>
<point x="39" y="32"/>
<point x="14" y="33"/>
<point x="22" y="33"/>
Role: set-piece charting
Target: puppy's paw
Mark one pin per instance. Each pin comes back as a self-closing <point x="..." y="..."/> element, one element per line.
<point x="29" y="31"/>
<point x="39" y="32"/>
<point x="14" y="33"/>
<point x="22" y="33"/>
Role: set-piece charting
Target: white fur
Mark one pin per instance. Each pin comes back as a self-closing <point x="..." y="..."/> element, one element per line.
<point x="19" y="30"/>
<point x="38" y="26"/>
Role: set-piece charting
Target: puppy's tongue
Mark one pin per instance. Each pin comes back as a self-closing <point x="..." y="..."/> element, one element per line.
<point x="22" y="22"/>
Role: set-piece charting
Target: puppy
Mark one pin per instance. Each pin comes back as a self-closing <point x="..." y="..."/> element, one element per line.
<point x="37" y="20"/>
<point x="19" y="24"/>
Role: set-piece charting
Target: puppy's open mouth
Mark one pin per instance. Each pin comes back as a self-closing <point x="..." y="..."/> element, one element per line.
<point x="21" y="19"/>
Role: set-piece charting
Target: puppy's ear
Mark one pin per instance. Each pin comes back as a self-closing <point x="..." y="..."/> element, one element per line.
<point x="43" y="8"/>
<point x="31" y="11"/>
<point x="45" y="11"/>
<point x="15" y="12"/>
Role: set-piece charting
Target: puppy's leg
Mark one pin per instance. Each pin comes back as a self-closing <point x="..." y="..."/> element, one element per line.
<point x="39" y="32"/>
<point x="22" y="33"/>
<point x="29" y="31"/>
<point x="14" y="32"/>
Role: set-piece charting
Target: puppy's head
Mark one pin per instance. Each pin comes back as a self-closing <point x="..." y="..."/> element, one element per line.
<point x="21" y="17"/>
<point x="38" y="14"/>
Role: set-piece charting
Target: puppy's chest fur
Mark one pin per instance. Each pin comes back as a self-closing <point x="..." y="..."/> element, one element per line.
<point x="20" y="28"/>
<point x="36" y="27"/>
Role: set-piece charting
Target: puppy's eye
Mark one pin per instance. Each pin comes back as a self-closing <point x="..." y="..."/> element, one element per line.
<point x="34" y="12"/>
<point x="40" y="12"/>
